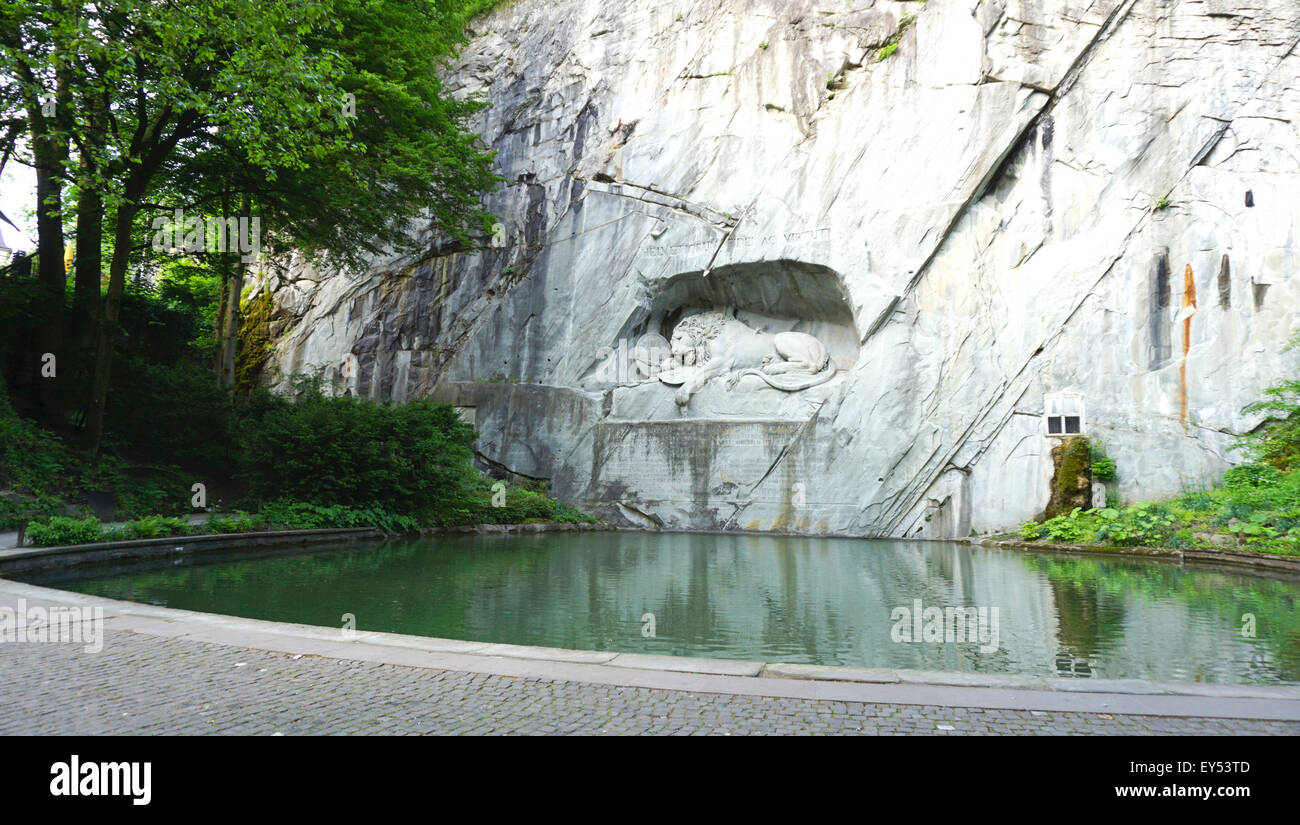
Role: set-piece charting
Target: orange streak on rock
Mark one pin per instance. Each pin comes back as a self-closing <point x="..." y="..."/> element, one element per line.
<point x="1189" y="302"/>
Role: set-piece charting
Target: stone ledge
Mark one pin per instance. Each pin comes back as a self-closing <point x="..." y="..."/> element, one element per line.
<point x="786" y="670"/>
<point x="685" y="664"/>
<point x="25" y="559"/>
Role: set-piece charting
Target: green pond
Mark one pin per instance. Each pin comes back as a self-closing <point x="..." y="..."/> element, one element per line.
<point x="866" y="603"/>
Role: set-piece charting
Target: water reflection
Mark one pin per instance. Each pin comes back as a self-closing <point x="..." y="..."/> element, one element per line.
<point x="819" y="601"/>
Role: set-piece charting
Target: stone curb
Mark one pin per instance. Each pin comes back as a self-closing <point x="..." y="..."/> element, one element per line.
<point x="106" y="551"/>
<point x="34" y="558"/>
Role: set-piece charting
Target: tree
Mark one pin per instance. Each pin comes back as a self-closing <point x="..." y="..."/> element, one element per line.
<point x="324" y="120"/>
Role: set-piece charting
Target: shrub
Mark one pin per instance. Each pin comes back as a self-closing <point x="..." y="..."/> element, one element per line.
<point x="1276" y="441"/>
<point x="238" y="522"/>
<point x="61" y="530"/>
<point x="300" y="515"/>
<point x="1103" y="466"/>
<point x="32" y="460"/>
<point x="151" y="527"/>
<point x="1252" y="475"/>
<point x="173" y="412"/>
<point x="1142" y="524"/>
<point x="413" y="458"/>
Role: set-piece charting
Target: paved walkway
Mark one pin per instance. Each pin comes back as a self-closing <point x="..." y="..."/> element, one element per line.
<point x="144" y="684"/>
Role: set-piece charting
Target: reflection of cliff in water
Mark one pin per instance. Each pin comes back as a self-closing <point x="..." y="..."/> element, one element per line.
<point x="766" y="598"/>
<point x="1086" y="621"/>
<point x="1149" y="613"/>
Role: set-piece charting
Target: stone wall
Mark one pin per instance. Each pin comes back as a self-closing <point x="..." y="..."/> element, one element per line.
<point x="1026" y="197"/>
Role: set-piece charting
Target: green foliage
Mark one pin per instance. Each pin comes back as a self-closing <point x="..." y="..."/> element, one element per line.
<point x="412" y="458"/>
<point x="1074" y="528"/>
<point x="1103" y="466"/>
<point x="193" y="289"/>
<point x="237" y="522"/>
<point x="1162" y="204"/>
<point x="891" y="44"/>
<point x="36" y="467"/>
<point x="61" y="530"/>
<point x="1145" y="524"/>
<point x="176" y="413"/>
<point x="299" y="515"/>
<point x="32" y="460"/>
<point x="1252" y="476"/>
<point x="530" y="506"/>
<point x="149" y="527"/>
<point x="1256" y="508"/>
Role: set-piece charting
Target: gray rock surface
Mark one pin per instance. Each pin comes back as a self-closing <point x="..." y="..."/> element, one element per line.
<point x="1026" y="197"/>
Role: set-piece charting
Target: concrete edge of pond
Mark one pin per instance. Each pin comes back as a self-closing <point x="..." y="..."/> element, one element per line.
<point x="782" y="680"/>
<point x="23" y="559"/>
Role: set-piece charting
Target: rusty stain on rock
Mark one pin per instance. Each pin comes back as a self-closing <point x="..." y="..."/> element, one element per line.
<point x="1189" y="309"/>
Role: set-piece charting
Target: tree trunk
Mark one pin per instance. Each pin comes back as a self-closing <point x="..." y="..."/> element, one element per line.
<point x="231" y="339"/>
<point x="126" y="213"/>
<point x="49" y="150"/>
<point x="232" y="269"/>
<point x="86" y="290"/>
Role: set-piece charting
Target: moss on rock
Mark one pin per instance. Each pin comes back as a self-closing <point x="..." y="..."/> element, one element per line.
<point x="1071" y="476"/>
<point x="255" y="342"/>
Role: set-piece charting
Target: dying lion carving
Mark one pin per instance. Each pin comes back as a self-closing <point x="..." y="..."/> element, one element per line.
<point x="713" y="344"/>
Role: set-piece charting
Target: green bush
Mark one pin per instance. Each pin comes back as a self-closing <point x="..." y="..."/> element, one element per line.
<point x="150" y="527"/>
<point x="237" y="522"/>
<point x="61" y="530"/>
<point x="1147" y="523"/>
<point x="413" y="459"/>
<point x="175" y="413"/>
<point x="32" y="460"/>
<point x="1103" y="466"/>
<point x="1072" y="528"/>
<point x="301" y="515"/>
<point x="1252" y="475"/>
<point x="523" y="505"/>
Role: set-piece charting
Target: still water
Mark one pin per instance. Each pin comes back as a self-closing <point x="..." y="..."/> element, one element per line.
<point x="765" y="598"/>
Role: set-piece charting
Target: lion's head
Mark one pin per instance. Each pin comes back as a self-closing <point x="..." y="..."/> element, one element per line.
<point x="691" y="336"/>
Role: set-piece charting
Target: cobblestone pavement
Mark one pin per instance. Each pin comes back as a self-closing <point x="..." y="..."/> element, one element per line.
<point x="146" y="684"/>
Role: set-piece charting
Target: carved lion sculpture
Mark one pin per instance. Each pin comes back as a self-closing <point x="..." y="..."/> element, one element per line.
<point x="713" y="344"/>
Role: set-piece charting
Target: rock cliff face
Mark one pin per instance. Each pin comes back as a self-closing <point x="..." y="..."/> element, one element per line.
<point x="971" y="205"/>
